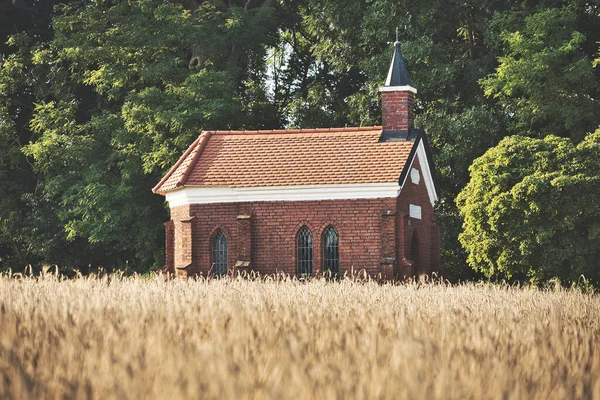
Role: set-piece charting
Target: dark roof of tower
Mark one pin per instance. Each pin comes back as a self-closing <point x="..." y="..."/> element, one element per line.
<point x="398" y="73"/>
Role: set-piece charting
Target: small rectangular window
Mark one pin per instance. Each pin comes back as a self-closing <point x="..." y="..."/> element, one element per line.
<point x="414" y="211"/>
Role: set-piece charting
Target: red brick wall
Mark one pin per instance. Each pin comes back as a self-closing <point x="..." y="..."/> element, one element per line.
<point x="426" y="228"/>
<point x="371" y="233"/>
<point x="397" y="109"/>
<point x="273" y="232"/>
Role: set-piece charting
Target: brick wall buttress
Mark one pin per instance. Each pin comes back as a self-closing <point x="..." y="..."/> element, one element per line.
<point x="182" y="253"/>
<point x="186" y="262"/>
<point x="169" y="247"/>
<point x="388" y="243"/>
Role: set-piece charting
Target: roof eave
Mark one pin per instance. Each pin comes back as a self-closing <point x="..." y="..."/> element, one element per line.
<point x="197" y="145"/>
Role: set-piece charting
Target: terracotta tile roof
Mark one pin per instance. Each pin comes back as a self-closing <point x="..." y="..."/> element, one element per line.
<point x="288" y="157"/>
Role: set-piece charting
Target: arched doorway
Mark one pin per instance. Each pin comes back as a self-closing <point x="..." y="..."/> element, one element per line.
<point x="414" y="254"/>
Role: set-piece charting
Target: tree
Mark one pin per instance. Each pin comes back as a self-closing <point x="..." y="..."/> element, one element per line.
<point x="546" y="82"/>
<point x="17" y="95"/>
<point x="98" y="99"/>
<point x="115" y="104"/>
<point x="455" y="51"/>
<point x="531" y="211"/>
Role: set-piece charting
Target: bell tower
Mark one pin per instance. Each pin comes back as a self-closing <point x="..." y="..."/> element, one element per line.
<point x="397" y="95"/>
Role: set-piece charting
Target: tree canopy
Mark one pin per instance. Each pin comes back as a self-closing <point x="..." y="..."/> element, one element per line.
<point x="530" y="209"/>
<point x="98" y="99"/>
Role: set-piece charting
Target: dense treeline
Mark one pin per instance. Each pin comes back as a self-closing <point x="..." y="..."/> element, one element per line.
<point x="98" y="98"/>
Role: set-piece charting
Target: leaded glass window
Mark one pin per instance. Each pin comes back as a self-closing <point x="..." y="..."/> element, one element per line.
<point x="331" y="252"/>
<point x="304" y="253"/>
<point x="219" y="253"/>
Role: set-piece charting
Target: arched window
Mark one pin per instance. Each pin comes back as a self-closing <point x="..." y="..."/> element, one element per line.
<point x="414" y="254"/>
<point x="304" y="253"/>
<point x="331" y="253"/>
<point x="219" y="254"/>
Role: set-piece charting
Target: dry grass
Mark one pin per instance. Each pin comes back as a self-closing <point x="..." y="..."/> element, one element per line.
<point x="136" y="338"/>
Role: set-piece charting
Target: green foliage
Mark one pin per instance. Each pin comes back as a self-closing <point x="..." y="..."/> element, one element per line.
<point x="114" y="103"/>
<point x="546" y="80"/>
<point x="484" y="70"/>
<point x="98" y="99"/>
<point x="530" y="210"/>
<point x="444" y="44"/>
<point x="457" y="138"/>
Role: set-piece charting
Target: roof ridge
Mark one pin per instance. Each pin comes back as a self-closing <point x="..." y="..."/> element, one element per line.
<point x="305" y="130"/>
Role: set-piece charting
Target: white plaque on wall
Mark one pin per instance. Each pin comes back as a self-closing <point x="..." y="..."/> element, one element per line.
<point x="415" y="177"/>
<point x="414" y="211"/>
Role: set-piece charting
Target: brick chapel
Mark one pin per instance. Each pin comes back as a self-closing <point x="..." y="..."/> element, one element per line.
<point x="308" y="202"/>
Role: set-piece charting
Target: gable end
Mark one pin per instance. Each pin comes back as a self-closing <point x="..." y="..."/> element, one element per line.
<point x="421" y="148"/>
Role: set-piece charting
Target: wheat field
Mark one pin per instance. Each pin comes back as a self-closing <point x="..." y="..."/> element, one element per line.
<point x="134" y="338"/>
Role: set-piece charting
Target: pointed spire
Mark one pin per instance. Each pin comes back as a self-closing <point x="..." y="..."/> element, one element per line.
<point x="397" y="95"/>
<point x="398" y="73"/>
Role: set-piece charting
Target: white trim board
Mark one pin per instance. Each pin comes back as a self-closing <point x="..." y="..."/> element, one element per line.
<point x="221" y="194"/>
<point x="425" y="171"/>
<point x="406" y="88"/>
